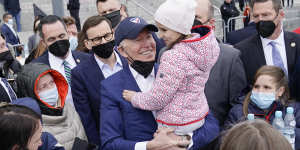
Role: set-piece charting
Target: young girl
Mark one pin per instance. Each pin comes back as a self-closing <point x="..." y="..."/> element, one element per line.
<point x="270" y="93"/>
<point x="177" y="94"/>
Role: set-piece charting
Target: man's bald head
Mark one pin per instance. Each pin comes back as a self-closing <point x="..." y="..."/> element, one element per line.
<point x="205" y="12"/>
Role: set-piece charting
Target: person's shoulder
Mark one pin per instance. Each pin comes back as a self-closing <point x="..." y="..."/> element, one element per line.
<point x="228" y="48"/>
<point x="292" y="35"/>
<point x="80" y="55"/>
<point x="85" y="64"/>
<point x="41" y="59"/>
<point x="245" y="43"/>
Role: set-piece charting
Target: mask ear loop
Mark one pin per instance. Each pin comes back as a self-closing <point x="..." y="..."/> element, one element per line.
<point x="277" y="14"/>
<point x="129" y="58"/>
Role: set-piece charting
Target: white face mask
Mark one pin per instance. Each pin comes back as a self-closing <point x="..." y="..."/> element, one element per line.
<point x="10" y="21"/>
<point x="50" y="96"/>
<point x="73" y="42"/>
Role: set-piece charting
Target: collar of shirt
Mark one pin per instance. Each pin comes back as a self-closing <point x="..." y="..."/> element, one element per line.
<point x="278" y="41"/>
<point x="56" y="62"/>
<point x="101" y="64"/>
<point x="145" y="84"/>
<point x="106" y="69"/>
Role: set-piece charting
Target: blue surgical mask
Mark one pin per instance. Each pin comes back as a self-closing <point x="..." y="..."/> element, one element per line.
<point x="73" y="43"/>
<point x="263" y="100"/>
<point x="50" y="96"/>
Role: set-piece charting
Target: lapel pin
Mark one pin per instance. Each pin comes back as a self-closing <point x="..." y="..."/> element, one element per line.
<point x="293" y="44"/>
<point x="78" y="60"/>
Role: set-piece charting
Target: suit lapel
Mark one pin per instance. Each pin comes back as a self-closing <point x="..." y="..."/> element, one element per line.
<point x="259" y="54"/>
<point x="12" y="33"/>
<point x="130" y="82"/>
<point x="290" y="49"/>
<point x="97" y="73"/>
<point x="4" y="95"/>
<point x="76" y="57"/>
<point x="47" y="57"/>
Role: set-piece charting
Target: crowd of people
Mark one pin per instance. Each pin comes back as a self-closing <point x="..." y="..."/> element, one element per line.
<point x="120" y="83"/>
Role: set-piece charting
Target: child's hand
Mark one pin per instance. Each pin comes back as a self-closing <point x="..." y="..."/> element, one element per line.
<point x="127" y="95"/>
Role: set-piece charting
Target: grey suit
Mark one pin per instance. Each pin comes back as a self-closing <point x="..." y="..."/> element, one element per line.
<point x="226" y="81"/>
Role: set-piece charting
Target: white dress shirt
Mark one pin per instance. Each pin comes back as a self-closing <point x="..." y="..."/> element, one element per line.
<point x="280" y="45"/>
<point x="106" y="69"/>
<point x="56" y="63"/>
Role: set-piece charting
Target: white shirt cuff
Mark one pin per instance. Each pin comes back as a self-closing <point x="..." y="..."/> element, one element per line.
<point x="141" y="146"/>
<point x="191" y="144"/>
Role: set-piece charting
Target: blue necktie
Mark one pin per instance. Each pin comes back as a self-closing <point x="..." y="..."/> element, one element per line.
<point x="11" y="93"/>
<point x="276" y="57"/>
<point x="67" y="71"/>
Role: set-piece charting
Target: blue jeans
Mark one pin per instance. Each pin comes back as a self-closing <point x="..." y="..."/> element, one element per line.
<point x="18" y="20"/>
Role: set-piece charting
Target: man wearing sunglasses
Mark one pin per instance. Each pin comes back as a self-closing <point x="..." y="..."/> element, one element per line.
<point x="86" y="77"/>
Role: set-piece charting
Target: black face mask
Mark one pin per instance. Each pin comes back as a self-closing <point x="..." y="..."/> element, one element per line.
<point x="197" y="22"/>
<point x="114" y="18"/>
<point x="265" y="28"/>
<point x="142" y="67"/>
<point x="59" y="48"/>
<point x="6" y="56"/>
<point x="104" y="50"/>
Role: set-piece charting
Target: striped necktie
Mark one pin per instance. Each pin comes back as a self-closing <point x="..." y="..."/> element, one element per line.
<point x="276" y="57"/>
<point x="67" y="71"/>
<point x="11" y="92"/>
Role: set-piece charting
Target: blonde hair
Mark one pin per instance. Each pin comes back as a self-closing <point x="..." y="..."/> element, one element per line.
<point x="254" y="135"/>
<point x="41" y="48"/>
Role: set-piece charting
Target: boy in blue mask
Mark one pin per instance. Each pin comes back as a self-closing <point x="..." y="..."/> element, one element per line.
<point x="270" y="93"/>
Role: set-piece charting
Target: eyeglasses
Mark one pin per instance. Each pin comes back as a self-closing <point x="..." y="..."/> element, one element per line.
<point x="107" y="37"/>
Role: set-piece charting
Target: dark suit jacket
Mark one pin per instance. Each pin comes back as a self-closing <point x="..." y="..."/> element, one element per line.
<point x="86" y="78"/>
<point x="253" y="57"/>
<point x="295" y="81"/>
<point x="237" y="36"/>
<point x="78" y="57"/>
<point x="226" y="81"/>
<point x="122" y="125"/>
<point x="4" y="95"/>
<point x="9" y="35"/>
<point x="13" y="6"/>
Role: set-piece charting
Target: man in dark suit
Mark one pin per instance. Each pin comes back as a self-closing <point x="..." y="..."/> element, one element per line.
<point x="121" y="125"/>
<point x="9" y="32"/>
<point x="272" y="45"/>
<point x="58" y="56"/>
<point x="227" y="77"/>
<point x="13" y="7"/>
<point x="86" y="77"/>
<point x="7" y="94"/>
<point x="237" y="36"/>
